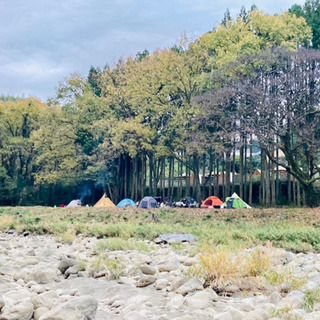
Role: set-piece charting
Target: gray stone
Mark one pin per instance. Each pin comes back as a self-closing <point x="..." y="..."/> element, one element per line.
<point x="84" y="307"/>
<point x="192" y="285"/>
<point x="1" y="302"/>
<point x="235" y="313"/>
<point x="40" y="312"/>
<point x="275" y="297"/>
<point x="199" y="300"/>
<point x="46" y="299"/>
<point x="223" y="316"/>
<point x="293" y="300"/>
<point x="66" y="263"/>
<point x="167" y="267"/>
<point x="258" y="314"/>
<point x="145" y="281"/>
<point x="23" y="310"/>
<point x="177" y="282"/>
<point x="175" y="303"/>
<point x="146" y="269"/>
<point x="9" y="270"/>
<point x="72" y="270"/>
<point x="135" y="315"/>
<point x="43" y="276"/>
<point x="175" y="237"/>
<point x="161" y="284"/>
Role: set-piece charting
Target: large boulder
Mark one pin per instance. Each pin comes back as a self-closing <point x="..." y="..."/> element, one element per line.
<point x="80" y="308"/>
<point x="145" y="281"/>
<point x="66" y="263"/>
<point x="23" y="310"/>
<point x="190" y="286"/>
<point x="199" y="300"/>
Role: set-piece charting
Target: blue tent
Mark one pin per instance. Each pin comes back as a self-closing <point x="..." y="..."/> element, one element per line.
<point x="126" y="203"/>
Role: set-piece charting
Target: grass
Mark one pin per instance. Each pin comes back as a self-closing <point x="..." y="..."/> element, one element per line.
<point x="299" y="232"/>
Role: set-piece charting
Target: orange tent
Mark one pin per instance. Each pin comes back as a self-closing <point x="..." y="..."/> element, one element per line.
<point x="212" y="202"/>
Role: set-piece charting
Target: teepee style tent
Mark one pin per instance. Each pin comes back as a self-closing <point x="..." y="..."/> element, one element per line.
<point x="126" y="203"/>
<point x="148" y="202"/>
<point x="212" y="202"/>
<point x="235" y="202"/>
<point x="104" y="202"/>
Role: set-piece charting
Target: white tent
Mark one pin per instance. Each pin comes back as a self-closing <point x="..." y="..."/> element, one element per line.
<point x="74" y="203"/>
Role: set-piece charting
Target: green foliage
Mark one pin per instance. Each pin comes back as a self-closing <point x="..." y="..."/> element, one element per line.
<point x="285" y="280"/>
<point x="311" y="297"/>
<point x="310" y="11"/>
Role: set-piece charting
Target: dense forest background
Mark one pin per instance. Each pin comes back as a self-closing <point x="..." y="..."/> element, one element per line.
<point x="235" y="110"/>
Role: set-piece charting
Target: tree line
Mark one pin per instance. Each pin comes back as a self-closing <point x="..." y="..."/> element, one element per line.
<point x="186" y="120"/>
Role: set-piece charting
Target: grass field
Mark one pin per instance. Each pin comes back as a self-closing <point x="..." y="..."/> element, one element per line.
<point x="296" y="229"/>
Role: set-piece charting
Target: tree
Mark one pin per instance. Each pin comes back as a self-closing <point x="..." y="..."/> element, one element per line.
<point x="311" y="12"/>
<point x="280" y="103"/>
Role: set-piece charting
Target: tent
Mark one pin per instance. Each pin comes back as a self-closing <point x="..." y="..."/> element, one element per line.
<point x="104" y="202"/>
<point x="235" y="202"/>
<point x="74" y="203"/>
<point x="148" y="202"/>
<point x="126" y="203"/>
<point x="212" y="202"/>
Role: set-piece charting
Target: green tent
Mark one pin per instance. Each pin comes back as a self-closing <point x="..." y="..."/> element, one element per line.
<point x="235" y="202"/>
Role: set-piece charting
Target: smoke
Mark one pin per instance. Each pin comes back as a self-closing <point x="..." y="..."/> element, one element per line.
<point x="84" y="191"/>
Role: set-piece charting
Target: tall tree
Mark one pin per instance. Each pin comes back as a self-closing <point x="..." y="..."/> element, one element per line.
<point x="311" y="12"/>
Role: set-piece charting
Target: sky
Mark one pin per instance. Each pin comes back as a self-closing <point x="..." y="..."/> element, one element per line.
<point x="42" y="42"/>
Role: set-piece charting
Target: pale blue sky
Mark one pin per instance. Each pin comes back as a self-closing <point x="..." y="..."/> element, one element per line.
<point x="44" y="41"/>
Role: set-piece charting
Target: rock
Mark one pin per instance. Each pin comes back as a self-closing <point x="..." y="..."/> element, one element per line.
<point x="192" y="285"/>
<point x="43" y="276"/>
<point x="175" y="237"/>
<point x="199" y="300"/>
<point x="146" y="269"/>
<point x="293" y="300"/>
<point x="161" y="284"/>
<point x="223" y="316"/>
<point x="46" y="299"/>
<point x="31" y="253"/>
<point x="84" y="307"/>
<point x="66" y="263"/>
<point x="134" y="315"/>
<point x="1" y="302"/>
<point x="72" y="270"/>
<point x="235" y="313"/>
<point x="275" y="297"/>
<point x="23" y="310"/>
<point x="190" y="262"/>
<point x="258" y="314"/>
<point x="26" y="233"/>
<point x="9" y="270"/>
<point x="231" y="289"/>
<point x="167" y="267"/>
<point x="37" y="289"/>
<point x="145" y="281"/>
<point x="175" y="303"/>
<point x="39" y="312"/>
<point x="177" y="282"/>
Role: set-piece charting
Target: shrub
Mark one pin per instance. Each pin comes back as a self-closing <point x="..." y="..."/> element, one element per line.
<point x="284" y="280"/>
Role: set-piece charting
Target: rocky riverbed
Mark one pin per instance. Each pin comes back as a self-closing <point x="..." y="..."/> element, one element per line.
<point x="43" y="278"/>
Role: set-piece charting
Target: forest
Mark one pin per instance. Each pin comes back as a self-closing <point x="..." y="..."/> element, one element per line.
<point x="235" y="110"/>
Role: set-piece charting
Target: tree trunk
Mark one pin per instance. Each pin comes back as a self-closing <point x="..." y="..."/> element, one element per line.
<point x="311" y="195"/>
<point x="250" y="171"/>
<point x="228" y="169"/>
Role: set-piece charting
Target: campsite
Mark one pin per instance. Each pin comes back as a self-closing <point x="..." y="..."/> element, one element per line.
<point x="163" y="175"/>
